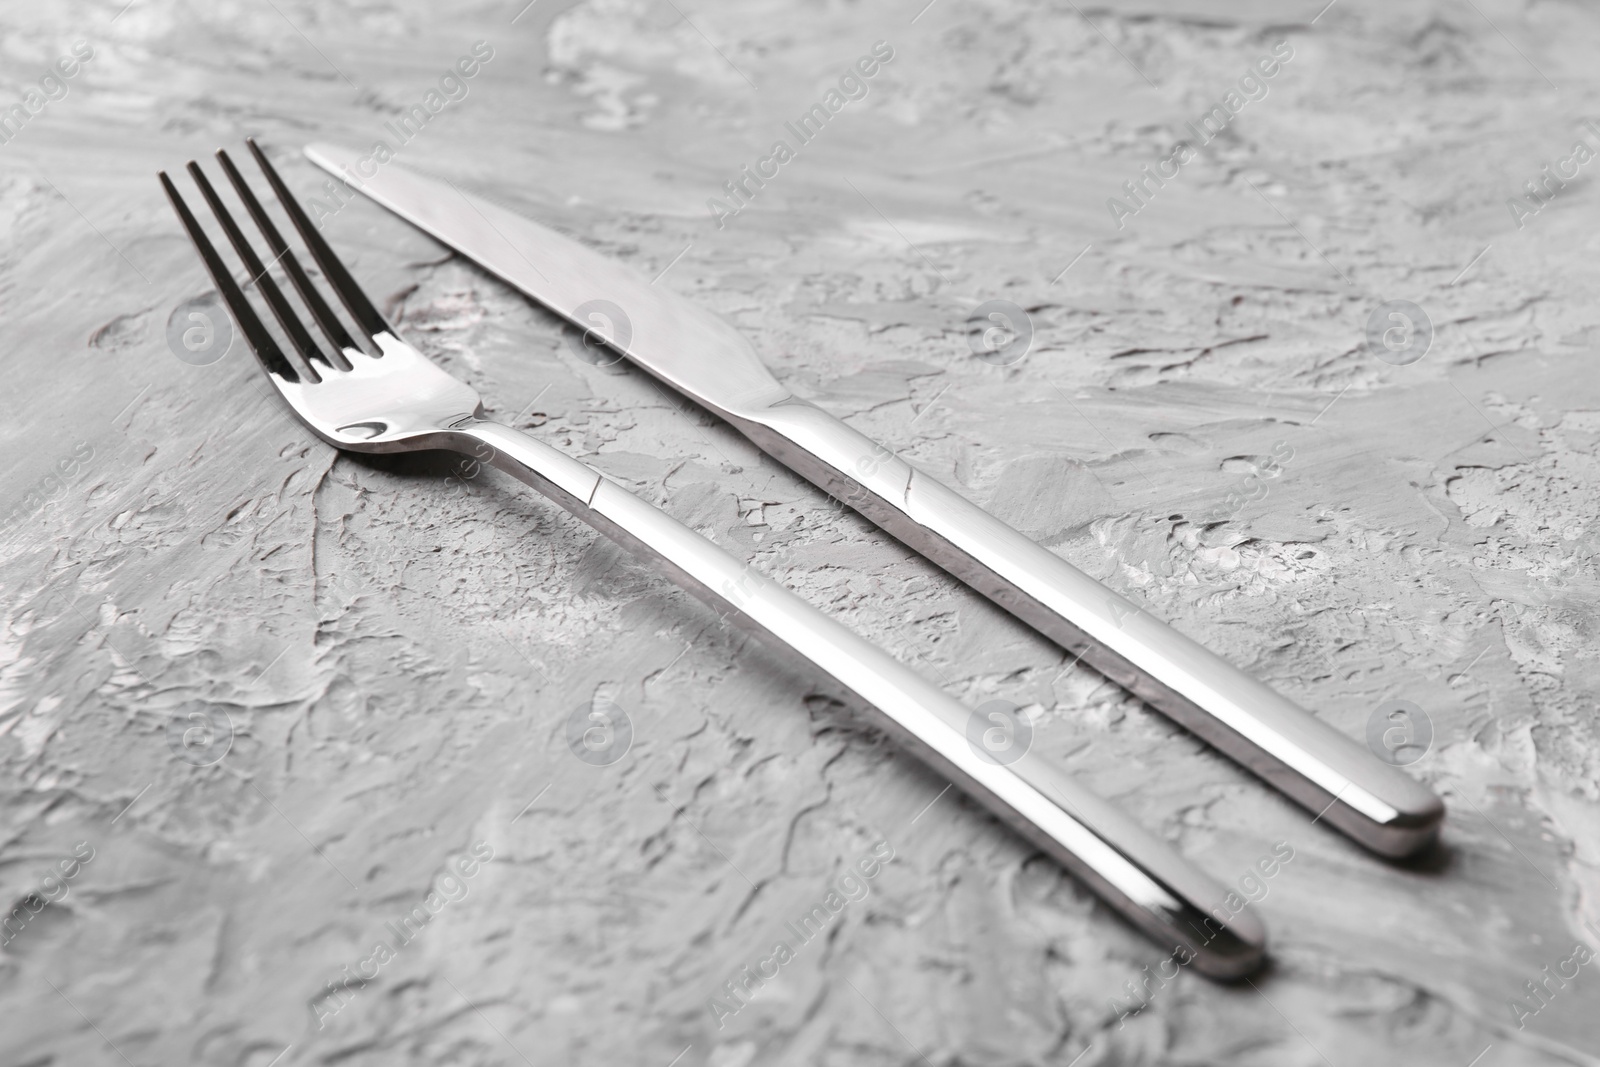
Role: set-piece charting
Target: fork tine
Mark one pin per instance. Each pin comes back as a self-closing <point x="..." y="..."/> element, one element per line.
<point x="281" y="310"/>
<point x="355" y="301"/>
<point x="255" y="332"/>
<point x="337" y="335"/>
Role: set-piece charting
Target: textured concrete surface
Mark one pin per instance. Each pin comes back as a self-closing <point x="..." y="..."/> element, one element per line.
<point x="396" y="648"/>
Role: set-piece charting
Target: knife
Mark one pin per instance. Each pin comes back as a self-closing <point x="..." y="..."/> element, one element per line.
<point x="707" y="359"/>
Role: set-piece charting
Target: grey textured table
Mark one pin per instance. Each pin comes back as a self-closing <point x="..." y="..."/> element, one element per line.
<point x="391" y="651"/>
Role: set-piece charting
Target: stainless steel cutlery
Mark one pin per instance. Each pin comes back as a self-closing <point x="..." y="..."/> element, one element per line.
<point x="705" y="358"/>
<point x="367" y="390"/>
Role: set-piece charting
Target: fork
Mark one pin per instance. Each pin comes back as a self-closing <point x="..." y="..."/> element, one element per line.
<point x="385" y="396"/>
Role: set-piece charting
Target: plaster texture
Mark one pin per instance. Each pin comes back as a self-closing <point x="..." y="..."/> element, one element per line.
<point x="397" y="647"/>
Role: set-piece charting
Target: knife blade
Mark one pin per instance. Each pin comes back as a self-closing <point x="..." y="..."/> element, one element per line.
<point x="707" y="359"/>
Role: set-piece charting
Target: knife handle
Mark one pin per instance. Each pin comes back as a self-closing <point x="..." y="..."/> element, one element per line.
<point x="1143" y="877"/>
<point x="1376" y="804"/>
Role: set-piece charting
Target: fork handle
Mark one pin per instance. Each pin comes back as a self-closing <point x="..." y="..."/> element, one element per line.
<point x="1140" y="875"/>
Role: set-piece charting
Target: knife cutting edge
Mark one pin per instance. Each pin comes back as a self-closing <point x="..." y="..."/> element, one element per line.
<point x="707" y="359"/>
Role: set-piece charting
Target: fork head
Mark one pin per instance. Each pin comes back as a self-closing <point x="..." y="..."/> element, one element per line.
<point x="382" y="397"/>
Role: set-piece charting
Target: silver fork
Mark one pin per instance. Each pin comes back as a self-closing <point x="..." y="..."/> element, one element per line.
<point x="393" y="399"/>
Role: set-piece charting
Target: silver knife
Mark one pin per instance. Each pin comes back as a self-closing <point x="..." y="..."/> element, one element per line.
<point x="707" y="359"/>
